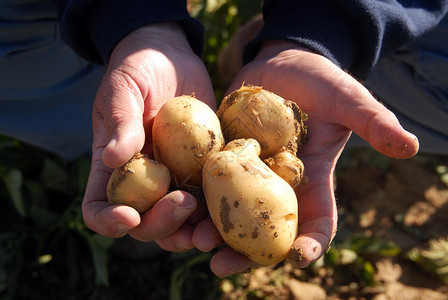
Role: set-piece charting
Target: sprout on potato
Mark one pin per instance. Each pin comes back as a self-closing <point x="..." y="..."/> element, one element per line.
<point x="139" y="183"/>
<point x="254" y="209"/>
<point x="185" y="133"/>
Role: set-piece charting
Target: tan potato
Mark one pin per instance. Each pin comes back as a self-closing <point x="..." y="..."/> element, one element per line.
<point x="139" y="183"/>
<point x="185" y="133"/>
<point x="254" y="209"/>
<point x="251" y="112"/>
<point x="288" y="166"/>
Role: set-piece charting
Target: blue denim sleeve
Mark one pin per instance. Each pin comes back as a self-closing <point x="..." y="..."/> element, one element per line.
<point x="353" y="34"/>
<point x="93" y="27"/>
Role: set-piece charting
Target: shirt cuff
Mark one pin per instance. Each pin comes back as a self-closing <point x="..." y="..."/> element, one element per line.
<point x="95" y="28"/>
<point x="318" y="25"/>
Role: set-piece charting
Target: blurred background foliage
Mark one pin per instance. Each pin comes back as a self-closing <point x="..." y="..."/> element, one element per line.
<point x="47" y="252"/>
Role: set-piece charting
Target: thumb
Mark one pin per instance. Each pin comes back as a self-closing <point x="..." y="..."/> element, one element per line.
<point x="358" y="110"/>
<point x="120" y="107"/>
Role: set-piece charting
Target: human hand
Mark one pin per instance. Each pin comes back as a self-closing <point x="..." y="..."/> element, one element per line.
<point x="336" y="104"/>
<point x="148" y="67"/>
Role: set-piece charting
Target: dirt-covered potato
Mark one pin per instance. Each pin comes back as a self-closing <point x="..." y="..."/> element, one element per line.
<point x="288" y="166"/>
<point x="139" y="183"/>
<point x="253" y="208"/>
<point x="251" y="112"/>
<point x="185" y="133"/>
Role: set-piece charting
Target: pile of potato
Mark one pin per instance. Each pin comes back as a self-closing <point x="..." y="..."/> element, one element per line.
<point x="244" y="158"/>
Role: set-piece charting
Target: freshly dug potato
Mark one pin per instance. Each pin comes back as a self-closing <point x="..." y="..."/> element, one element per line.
<point x="185" y="133"/>
<point x="254" y="209"/>
<point x="139" y="183"/>
<point x="288" y="166"/>
<point x="251" y="112"/>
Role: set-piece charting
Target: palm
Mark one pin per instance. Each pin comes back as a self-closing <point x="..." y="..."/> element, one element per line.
<point x="335" y="104"/>
<point x="145" y="71"/>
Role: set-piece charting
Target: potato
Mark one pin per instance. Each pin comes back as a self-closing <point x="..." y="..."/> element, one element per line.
<point x="185" y="133"/>
<point x="251" y="112"/>
<point x="139" y="183"/>
<point x="288" y="166"/>
<point x="254" y="209"/>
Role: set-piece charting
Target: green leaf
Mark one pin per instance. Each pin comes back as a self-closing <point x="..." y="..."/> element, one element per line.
<point x="181" y="273"/>
<point x="332" y="256"/>
<point x="432" y="257"/>
<point x="368" y="273"/>
<point x="371" y="245"/>
<point x="177" y="280"/>
<point x="442" y="170"/>
<point x="13" y="181"/>
<point x="83" y="168"/>
<point x="54" y="176"/>
<point x="99" y="245"/>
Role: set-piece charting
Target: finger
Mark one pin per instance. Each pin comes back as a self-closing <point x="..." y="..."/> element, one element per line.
<point x="206" y="236"/>
<point x="110" y="220"/>
<point x="119" y="105"/>
<point x="359" y="111"/>
<point x="227" y="262"/>
<point x="99" y="215"/>
<point x="317" y="214"/>
<point x="201" y="211"/>
<point x="165" y="217"/>
<point x="178" y="241"/>
<point x="312" y="243"/>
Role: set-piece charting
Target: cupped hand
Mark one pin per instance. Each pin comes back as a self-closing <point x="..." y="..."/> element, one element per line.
<point x="336" y="104"/>
<point x="148" y="67"/>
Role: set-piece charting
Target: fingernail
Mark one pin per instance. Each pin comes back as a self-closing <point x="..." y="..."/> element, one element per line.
<point x="184" y="206"/>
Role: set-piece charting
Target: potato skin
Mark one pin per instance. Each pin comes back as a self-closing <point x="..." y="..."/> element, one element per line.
<point x="139" y="183"/>
<point x="185" y="133"/>
<point x="254" y="210"/>
<point x="251" y="112"/>
<point x="288" y="166"/>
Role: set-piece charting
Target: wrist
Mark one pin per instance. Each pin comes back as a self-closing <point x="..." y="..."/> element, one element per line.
<point x="157" y="35"/>
<point x="167" y="32"/>
<point x="163" y="37"/>
<point x="274" y="47"/>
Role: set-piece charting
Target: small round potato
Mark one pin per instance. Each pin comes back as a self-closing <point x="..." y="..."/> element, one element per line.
<point x="251" y="112"/>
<point x="139" y="183"/>
<point x="288" y="166"/>
<point x="254" y="209"/>
<point x="185" y="133"/>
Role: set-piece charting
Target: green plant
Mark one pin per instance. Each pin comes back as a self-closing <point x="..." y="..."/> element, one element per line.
<point x="433" y="257"/>
<point x="221" y="19"/>
<point x="354" y="257"/>
<point x="42" y="225"/>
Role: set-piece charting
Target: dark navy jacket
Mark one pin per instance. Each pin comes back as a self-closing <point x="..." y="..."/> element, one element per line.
<point x="354" y="34"/>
